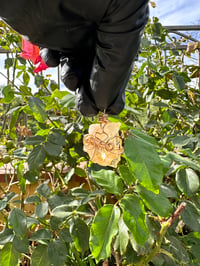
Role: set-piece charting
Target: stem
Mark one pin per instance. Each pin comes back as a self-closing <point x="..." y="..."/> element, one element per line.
<point x="117" y="257"/>
<point x="89" y="183"/>
<point x="52" y="181"/>
<point x="26" y="256"/>
<point x="138" y="121"/>
<point x="5" y="119"/>
<point x="22" y="201"/>
<point x="2" y="189"/>
<point x="156" y="250"/>
<point x="164" y="227"/>
<point x="10" y="82"/>
<point x="105" y="263"/>
<point x="59" y="176"/>
<point x="56" y="126"/>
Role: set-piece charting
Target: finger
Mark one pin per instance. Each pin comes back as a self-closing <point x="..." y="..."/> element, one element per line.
<point x="71" y="74"/>
<point x="84" y="103"/>
<point x="118" y="105"/>
<point x="50" y="57"/>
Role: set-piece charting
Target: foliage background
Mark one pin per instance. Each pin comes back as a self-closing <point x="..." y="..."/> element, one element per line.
<point x="58" y="208"/>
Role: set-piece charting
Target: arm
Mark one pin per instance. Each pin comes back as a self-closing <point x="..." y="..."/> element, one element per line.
<point x="118" y="40"/>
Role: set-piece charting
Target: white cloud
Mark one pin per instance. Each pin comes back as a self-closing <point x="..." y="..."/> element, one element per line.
<point x="179" y="12"/>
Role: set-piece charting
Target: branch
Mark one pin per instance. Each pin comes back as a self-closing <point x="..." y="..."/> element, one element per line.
<point x="176" y="214"/>
<point x="164" y="227"/>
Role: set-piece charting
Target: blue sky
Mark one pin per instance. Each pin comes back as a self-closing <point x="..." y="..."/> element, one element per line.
<point x="177" y="12"/>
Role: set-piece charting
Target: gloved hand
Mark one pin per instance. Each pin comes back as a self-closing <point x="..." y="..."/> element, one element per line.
<point x="94" y="41"/>
<point x="75" y="74"/>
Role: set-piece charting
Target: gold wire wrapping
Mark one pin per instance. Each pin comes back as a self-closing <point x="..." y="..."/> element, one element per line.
<point x="103" y="143"/>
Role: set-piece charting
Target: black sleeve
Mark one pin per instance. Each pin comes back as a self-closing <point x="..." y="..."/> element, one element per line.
<point x="118" y="40"/>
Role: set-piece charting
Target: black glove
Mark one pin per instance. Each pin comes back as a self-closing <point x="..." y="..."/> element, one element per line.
<point x="71" y="73"/>
<point x="95" y="42"/>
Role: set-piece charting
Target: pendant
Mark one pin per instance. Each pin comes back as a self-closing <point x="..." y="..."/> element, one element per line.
<point x="103" y="142"/>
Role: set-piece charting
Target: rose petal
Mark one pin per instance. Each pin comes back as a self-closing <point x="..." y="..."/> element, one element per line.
<point x="32" y="52"/>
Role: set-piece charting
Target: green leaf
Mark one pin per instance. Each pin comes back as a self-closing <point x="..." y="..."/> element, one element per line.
<point x="6" y="236"/>
<point x="42" y="234"/>
<point x="152" y="65"/>
<point x="179" y="82"/>
<point x="17" y="220"/>
<point x="187" y="181"/>
<point x="134" y="218"/>
<point x="103" y="229"/>
<point x="22" y="180"/>
<point x="9" y="62"/>
<point x="169" y="116"/>
<point x="26" y="78"/>
<point x="59" y="94"/>
<point x="21" y="245"/>
<point x="34" y="140"/>
<point x="37" y="107"/>
<point x="15" y="114"/>
<point x="144" y="162"/>
<point x="80" y="172"/>
<point x="143" y="79"/>
<point x="33" y="199"/>
<point x="80" y="234"/>
<point x="55" y="223"/>
<point x="62" y="211"/>
<point x="143" y="137"/>
<point x="42" y="209"/>
<point x="156" y="31"/>
<point x="3" y="204"/>
<point x="79" y="192"/>
<point x="44" y="190"/>
<point x="166" y="161"/>
<point x="36" y="157"/>
<point x="68" y="101"/>
<point x="69" y="175"/>
<point x="157" y="203"/>
<point x="10" y="196"/>
<point x="57" y="137"/>
<point x="160" y="104"/>
<point x="9" y="256"/>
<point x="39" y="80"/>
<point x="109" y="180"/>
<point x="8" y="93"/>
<point x="122" y="237"/>
<point x="185" y="161"/>
<point x="56" y="200"/>
<point x="25" y="90"/>
<point x="40" y="257"/>
<point x="166" y="94"/>
<point x="57" y="252"/>
<point x="193" y="240"/>
<point x="65" y="235"/>
<point x="126" y="174"/>
<point x="168" y="191"/>
<point x="178" y="251"/>
<point x="181" y="140"/>
<point x="52" y="149"/>
<point x="31" y="176"/>
<point x="191" y="216"/>
<point x="31" y="221"/>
